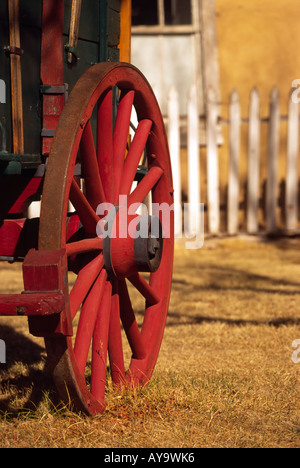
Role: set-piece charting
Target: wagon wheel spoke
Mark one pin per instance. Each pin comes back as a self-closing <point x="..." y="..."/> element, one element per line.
<point x="84" y="210"/>
<point x="144" y="289"/>
<point x="130" y="325"/>
<point x="105" y="144"/>
<point x="93" y="183"/>
<point x="145" y="186"/>
<point x="84" y="282"/>
<point x="120" y="139"/>
<point x="84" y="246"/>
<point x="87" y="321"/>
<point x="134" y="155"/>
<point x="73" y="228"/>
<point x="115" y="346"/>
<point x="100" y="345"/>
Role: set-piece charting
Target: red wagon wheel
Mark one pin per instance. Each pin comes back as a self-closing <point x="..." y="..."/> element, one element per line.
<point x="106" y="248"/>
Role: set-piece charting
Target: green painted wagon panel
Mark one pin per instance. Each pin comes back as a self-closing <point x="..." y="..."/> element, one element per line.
<point x="30" y="13"/>
<point x="5" y="111"/>
<point x="99" y="35"/>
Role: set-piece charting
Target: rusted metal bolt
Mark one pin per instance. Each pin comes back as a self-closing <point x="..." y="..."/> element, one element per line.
<point x="153" y="246"/>
<point x="21" y="310"/>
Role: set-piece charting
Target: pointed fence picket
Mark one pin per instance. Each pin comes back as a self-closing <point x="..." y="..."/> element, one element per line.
<point x="213" y="195"/>
<point x="292" y="174"/>
<point x="273" y="152"/>
<point x="174" y="144"/>
<point x="234" y="148"/>
<point x="264" y="201"/>
<point x="253" y="163"/>
<point x="193" y="165"/>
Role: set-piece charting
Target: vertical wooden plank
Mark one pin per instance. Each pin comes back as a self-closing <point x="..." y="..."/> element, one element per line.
<point x="273" y="151"/>
<point x="161" y="12"/>
<point x="16" y="78"/>
<point x="193" y="164"/>
<point x="210" y="62"/>
<point x="52" y="67"/>
<point x="292" y="167"/>
<point x="253" y="163"/>
<point x="174" y="145"/>
<point x="212" y="164"/>
<point x="74" y="27"/>
<point x="234" y="155"/>
<point x="197" y="45"/>
<point x="125" y="38"/>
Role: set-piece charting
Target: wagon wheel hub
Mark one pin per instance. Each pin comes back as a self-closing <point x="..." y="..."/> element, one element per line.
<point x="132" y="244"/>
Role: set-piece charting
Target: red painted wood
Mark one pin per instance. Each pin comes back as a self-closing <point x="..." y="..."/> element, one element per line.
<point x="145" y="186"/>
<point x="122" y="246"/>
<point x="52" y="65"/>
<point x="134" y="155"/>
<point x="93" y="184"/>
<point x="10" y="236"/>
<point x="44" y="270"/>
<point x="33" y="188"/>
<point x="145" y="289"/>
<point x="16" y="192"/>
<point x="17" y="237"/>
<point x="31" y="304"/>
<point x="85" y="245"/>
<point x="105" y="144"/>
<point x="100" y="343"/>
<point x="115" y="345"/>
<point x="130" y="325"/>
<point x="83" y="208"/>
<point x="120" y="139"/>
<point x="47" y="271"/>
<point x="84" y="282"/>
<point x="87" y="321"/>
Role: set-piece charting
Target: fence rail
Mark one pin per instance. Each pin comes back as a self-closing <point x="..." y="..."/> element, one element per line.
<point x="261" y="195"/>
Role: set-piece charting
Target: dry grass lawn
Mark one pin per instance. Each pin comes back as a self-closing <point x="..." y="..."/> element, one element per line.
<point x="225" y="375"/>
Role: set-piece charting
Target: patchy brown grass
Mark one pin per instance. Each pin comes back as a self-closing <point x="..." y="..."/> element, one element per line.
<point x="225" y="376"/>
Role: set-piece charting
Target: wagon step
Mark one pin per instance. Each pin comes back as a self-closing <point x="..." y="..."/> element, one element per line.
<point x="32" y="303"/>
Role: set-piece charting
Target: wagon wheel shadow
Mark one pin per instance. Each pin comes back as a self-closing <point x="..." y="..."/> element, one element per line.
<point x="25" y="372"/>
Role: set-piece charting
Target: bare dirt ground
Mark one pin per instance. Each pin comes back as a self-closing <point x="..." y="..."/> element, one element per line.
<point x="225" y="375"/>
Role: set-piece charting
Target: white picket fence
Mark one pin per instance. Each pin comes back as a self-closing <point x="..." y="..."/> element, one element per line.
<point x="253" y="199"/>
